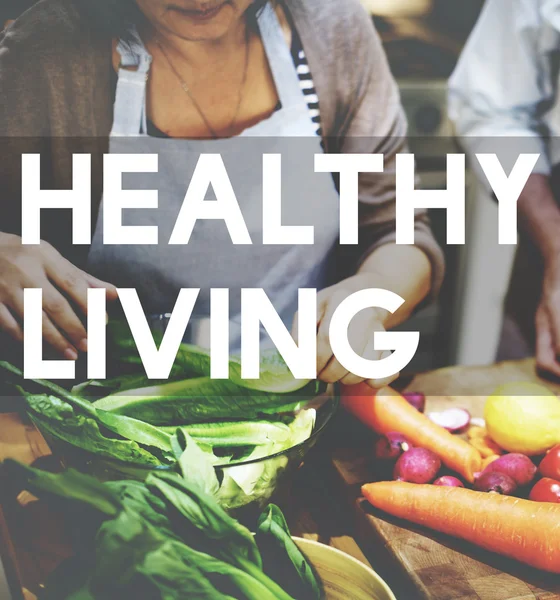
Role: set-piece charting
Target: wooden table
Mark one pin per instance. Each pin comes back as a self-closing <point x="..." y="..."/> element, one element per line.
<point x="416" y="563"/>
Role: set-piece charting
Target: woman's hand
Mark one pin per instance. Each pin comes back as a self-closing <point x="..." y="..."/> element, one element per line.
<point x="360" y="332"/>
<point x="64" y="293"/>
<point x="547" y="321"/>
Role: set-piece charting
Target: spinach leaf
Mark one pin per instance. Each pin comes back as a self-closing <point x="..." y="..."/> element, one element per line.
<point x="176" y="577"/>
<point x="229" y="579"/>
<point x="70" y="485"/>
<point x="139" y="500"/>
<point x="205" y="525"/>
<point x="283" y="560"/>
<point x="163" y="540"/>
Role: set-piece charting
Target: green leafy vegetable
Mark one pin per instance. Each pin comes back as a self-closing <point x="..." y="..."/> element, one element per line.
<point x="126" y="427"/>
<point x="257" y="479"/>
<point x="210" y="528"/>
<point x="236" y="433"/>
<point x="199" y="401"/>
<point x="70" y="485"/>
<point x="165" y="539"/>
<point x="197" y="466"/>
<point x="192" y="361"/>
<point x="283" y="560"/>
<point x="59" y="421"/>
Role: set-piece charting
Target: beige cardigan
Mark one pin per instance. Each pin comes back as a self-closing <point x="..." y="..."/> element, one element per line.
<point x="56" y="98"/>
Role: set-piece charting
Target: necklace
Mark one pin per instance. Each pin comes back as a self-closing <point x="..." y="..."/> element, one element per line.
<point x="187" y="90"/>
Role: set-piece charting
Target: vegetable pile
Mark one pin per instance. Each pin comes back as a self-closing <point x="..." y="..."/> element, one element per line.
<point x="220" y="423"/>
<point x="505" y="511"/>
<point x="165" y="539"/>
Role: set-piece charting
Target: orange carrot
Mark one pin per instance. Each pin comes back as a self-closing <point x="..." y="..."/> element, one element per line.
<point x="521" y="529"/>
<point x="476" y="432"/>
<point x="486" y="446"/>
<point x="386" y="410"/>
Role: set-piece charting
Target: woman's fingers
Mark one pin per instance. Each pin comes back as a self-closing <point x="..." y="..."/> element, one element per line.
<point x="63" y="316"/>
<point x="56" y="340"/>
<point x="9" y="324"/>
<point x="70" y="281"/>
<point x="333" y="372"/>
<point x="97" y="283"/>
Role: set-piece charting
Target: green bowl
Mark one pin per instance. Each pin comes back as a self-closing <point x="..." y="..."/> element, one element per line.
<point x="280" y="465"/>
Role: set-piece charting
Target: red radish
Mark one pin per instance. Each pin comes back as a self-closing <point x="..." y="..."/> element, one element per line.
<point x="449" y="481"/>
<point x="418" y="465"/>
<point x="550" y="464"/>
<point x="546" y="490"/>
<point x="416" y="399"/>
<point x="495" y="482"/>
<point x="478" y="422"/>
<point x="454" y="420"/>
<point x="517" y="466"/>
<point x="391" y="446"/>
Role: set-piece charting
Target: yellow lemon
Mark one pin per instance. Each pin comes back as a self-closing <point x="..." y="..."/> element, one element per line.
<point x="523" y="417"/>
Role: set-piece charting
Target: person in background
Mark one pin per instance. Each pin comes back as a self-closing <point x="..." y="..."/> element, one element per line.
<point x="12" y="9"/>
<point x="505" y="86"/>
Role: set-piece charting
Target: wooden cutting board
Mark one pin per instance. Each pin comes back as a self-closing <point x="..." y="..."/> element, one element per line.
<point x="417" y="563"/>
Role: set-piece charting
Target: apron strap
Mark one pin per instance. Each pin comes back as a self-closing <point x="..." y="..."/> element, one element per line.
<point x="129" y="117"/>
<point x="280" y="59"/>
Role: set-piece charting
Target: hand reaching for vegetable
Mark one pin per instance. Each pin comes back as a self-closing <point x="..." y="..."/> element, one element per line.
<point x="64" y="292"/>
<point x="361" y="333"/>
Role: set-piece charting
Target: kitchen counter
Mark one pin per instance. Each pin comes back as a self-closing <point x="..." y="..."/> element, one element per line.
<point x="325" y="505"/>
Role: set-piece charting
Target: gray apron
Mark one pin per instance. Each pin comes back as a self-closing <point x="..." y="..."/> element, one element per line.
<point x="210" y="259"/>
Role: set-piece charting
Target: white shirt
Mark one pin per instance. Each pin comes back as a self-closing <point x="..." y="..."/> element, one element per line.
<point x="505" y="84"/>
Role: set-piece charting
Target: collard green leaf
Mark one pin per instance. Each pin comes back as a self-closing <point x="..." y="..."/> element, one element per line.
<point x="283" y="560"/>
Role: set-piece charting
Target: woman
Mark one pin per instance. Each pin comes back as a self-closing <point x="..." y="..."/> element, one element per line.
<point x="93" y="75"/>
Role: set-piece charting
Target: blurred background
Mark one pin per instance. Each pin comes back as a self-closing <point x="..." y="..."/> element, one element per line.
<point x="423" y="40"/>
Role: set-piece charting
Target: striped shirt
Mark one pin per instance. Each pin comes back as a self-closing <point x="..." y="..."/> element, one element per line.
<point x="306" y="80"/>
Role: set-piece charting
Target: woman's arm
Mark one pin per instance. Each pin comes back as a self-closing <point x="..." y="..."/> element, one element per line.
<point x="375" y="123"/>
<point x="371" y="120"/>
